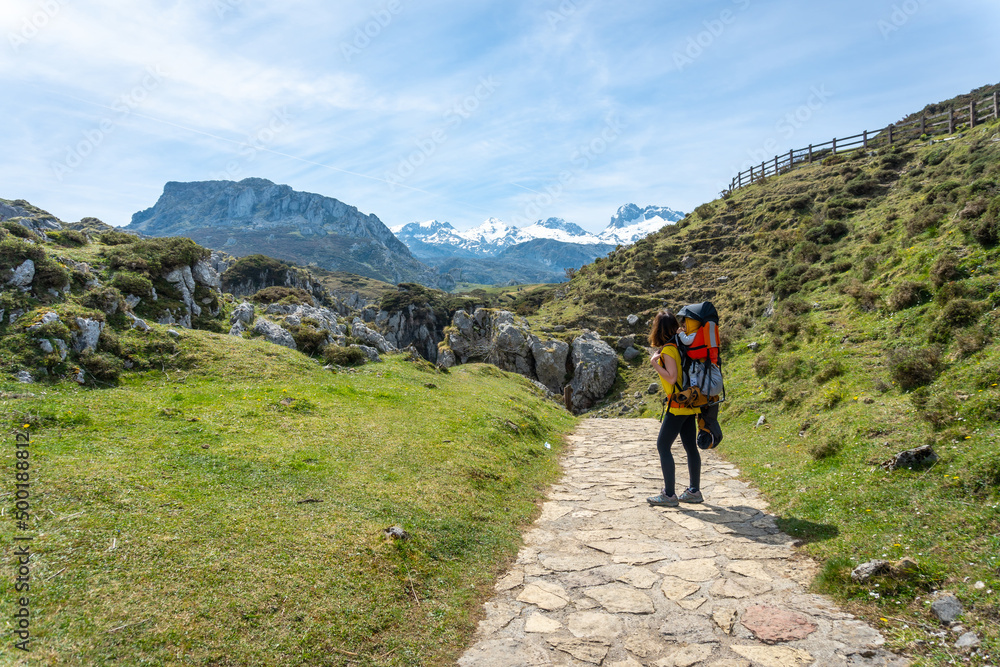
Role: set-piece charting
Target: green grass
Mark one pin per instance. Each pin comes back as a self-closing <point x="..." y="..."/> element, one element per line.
<point x="175" y="523"/>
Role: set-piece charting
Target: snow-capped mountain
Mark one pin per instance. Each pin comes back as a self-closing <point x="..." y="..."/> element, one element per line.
<point x="632" y="223"/>
<point x="558" y="229"/>
<point x="545" y="247"/>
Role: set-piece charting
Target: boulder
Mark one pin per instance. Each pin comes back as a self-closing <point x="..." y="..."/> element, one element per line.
<point x="511" y="349"/>
<point x="138" y="323"/>
<point x="24" y="377"/>
<point x="550" y="363"/>
<point x="87" y="335"/>
<point x="46" y="318"/>
<point x="205" y="275"/>
<point x="446" y="358"/>
<point x="866" y="571"/>
<point x="912" y="458"/>
<point x="370" y="353"/>
<point x="23" y="275"/>
<point x="274" y="333"/>
<point x="370" y="337"/>
<point x="947" y="608"/>
<point x="243" y="313"/>
<point x="632" y="320"/>
<point x="625" y="342"/>
<point x="631" y="353"/>
<point x="594" y="367"/>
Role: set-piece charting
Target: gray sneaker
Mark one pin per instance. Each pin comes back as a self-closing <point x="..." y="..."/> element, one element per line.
<point x="663" y="500"/>
<point x="688" y="497"/>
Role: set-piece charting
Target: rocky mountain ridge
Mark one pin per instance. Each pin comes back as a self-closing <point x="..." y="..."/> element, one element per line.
<point x="256" y="215"/>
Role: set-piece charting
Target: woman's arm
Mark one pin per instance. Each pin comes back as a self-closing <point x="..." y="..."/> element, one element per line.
<point x="665" y="365"/>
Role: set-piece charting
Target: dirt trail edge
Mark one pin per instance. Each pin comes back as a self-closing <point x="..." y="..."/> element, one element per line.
<point x="605" y="579"/>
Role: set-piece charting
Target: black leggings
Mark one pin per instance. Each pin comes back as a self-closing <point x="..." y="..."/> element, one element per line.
<point x="687" y="427"/>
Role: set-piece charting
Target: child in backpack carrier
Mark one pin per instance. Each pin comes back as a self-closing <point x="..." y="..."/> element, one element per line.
<point x="700" y="342"/>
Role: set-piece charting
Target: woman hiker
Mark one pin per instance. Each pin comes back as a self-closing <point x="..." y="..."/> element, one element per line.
<point x="677" y="420"/>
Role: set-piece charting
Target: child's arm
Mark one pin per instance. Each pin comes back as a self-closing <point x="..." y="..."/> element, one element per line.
<point x="687" y="338"/>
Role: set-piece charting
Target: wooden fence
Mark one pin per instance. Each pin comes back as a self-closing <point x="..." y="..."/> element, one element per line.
<point x="976" y="113"/>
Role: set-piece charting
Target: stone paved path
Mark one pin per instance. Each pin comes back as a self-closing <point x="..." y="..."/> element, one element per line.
<point x="605" y="579"/>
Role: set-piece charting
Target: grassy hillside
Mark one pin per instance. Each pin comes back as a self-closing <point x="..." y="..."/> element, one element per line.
<point x="231" y="510"/>
<point x="882" y="272"/>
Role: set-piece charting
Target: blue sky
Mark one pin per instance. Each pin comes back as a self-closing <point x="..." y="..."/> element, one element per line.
<point x="457" y="110"/>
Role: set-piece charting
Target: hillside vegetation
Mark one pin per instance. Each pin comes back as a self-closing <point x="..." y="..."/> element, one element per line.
<point x="859" y="315"/>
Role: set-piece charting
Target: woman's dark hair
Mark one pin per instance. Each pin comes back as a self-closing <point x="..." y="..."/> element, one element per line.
<point x="664" y="329"/>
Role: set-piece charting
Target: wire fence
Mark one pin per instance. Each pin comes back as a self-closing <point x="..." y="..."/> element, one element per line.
<point x="976" y="113"/>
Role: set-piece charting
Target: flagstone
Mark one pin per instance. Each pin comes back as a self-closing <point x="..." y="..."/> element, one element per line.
<point x="621" y="598"/>
<point x="774" y="656"/>
<point x="542" y="624"/>
<point x="595" y="626"/>
<point x="639" y="577"/>
<point x="676" y="589"/>
<point x="726" y="588"/>
<point x="686" y="656"/>
<point x="581" y="650"/>
<point x="571" y="563"/>
<point x="544" y="594"/>
<point x="701" y="569"/>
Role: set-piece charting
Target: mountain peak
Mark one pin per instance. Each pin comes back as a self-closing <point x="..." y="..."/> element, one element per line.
<point x="632" y="223"/>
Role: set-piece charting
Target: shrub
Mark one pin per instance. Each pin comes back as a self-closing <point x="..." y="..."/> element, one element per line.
<point x="943" y="191"/>
<point x="830" y="371"/>
<point x="117" y="238"/>
<point x="308" y="338"/>
<point x="50" y="275"/>
<point x="907" y="294"/>
<point x="960" y="313"/>
<point x="17" y="229"/>
<point x="14" y="250"/>
<point x="761" y="365"/>
<point x="829" y="232"/>
<point x="937" y="409"/>
<point x="106" y="299"/>
<point x="914" y="367"/>
<point x="127" y="282"/>
<point x="824" y="449"/>
<point x="862" y="185"/>
<point x="788" y="281"/>
<point x="68" y="237"/>
<point x="971" y="341"/>
<point x="286" y="295"/>
<point x="156" y="256"/>
<point x="945" y="269"/>
<point x="705" y="211"/>
<point x="344" y="356"/>
<point x="974" y="208"/>
<point x="101" y="368"/>
<point x="866" y="298"/>
<point x="925" y="218"/>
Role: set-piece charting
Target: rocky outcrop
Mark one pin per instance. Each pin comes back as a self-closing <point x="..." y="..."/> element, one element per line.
<point x="413" y="326"/>
<point x="274" y="333"/>
<point x="256" y="215"/>
<point x="588" y="366"/>
<point x="595" y="365"/>
<point x="370" y="337"/>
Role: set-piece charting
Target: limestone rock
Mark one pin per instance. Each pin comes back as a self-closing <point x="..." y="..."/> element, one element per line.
<point x="87" y="335"/>
<point x="631" y="353"/>
<point x="687" y="656"/>
<point x="912" y="458"/>
<point x="866" y="571"/>
<point x="632" y="320"/>
<point x="273" y="333"/>
<point x="689" y="629"/>
<point x="243" y="313"/>
<point x="24" y="377"/>
<point x="370" y="337"/>
<point x="23" y="275"/>
<point x="968" y="640"/>
<point x="947" y="608"/>
<point x="550" y="363"/>
<point x="204" y="274"/>
<point x="542" y="624"/>
<point x="594" y="367"/>
<point x="595" y="625"/>
<point x="371" y="354"/>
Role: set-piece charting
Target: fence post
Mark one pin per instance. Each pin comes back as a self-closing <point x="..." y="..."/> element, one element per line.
<point x="791" y="158"/>
<point x="810" y="152"/>
<point x="751" y="174"/>
<point x="835" y="145"/>
<point x="996" y="105"/>
<point x="951" y="120"/>
<point x="923" y="125"/>
<point x="763" y="170"/>
<point x="890" y="135"/>
<point x="775" y="165"/>
<point x="972" y="114"/>
<point x="865" y="133"/>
